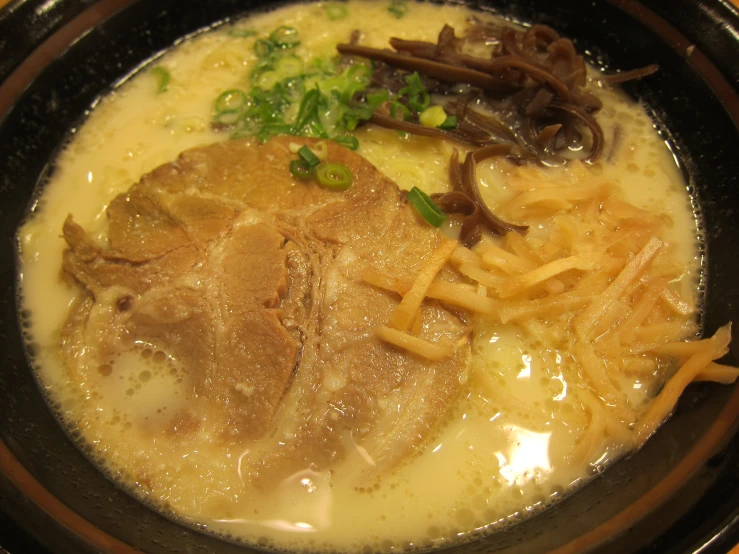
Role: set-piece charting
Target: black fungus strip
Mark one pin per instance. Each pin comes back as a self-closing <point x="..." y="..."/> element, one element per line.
<point x="595" y="129"/>
<point x="624" y="76"/>
<point x="530" y="91"/>
<point x="469" y="177"/>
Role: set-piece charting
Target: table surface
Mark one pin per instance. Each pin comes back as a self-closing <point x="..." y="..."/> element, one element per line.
<point x="3" y="3"/>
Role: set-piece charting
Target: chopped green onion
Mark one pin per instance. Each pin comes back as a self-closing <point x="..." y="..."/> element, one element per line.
<point x="276" y="128"/>
<point x="376" y="99"/>
<point x="426" y="207"/>
<point x="398" y="9"/>
<point x="432" y="117"/>
<point x="163" y="77"/>
<point x="336" y="11"/>
<point x="307" y="110"/>
<point x="246" y="128"/>
<point x="418" y="96"/>
<point x="450" y="123"/>
<point x="334" y="176"/>
<point x="285" y="37"/>
<point x="301" y="169"/>
<point x="355" y="79"/>
<point x="320" y="149"/>
<point x="230" y="101"/>
<point x="399" y="111"/>
<point x="354" y="114"/>
<point x="263" y="48"/>
<point x="268" y="80"/>
<point x="347" y="141"/>
<point x="325" y="65"/>
<point x="289" y="66"/>
<point x="226" y="118"/>
<point x="290" y="95"/>
<point x="308" y="156"/>
<point x="315" y="129"/>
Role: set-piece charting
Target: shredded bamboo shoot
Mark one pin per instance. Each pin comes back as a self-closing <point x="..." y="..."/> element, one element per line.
<point x="405" y="312"/>
<point x="433" y="351"/>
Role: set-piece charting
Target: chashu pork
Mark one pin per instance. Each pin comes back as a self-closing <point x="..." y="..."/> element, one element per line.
<point x="252" y="279"/>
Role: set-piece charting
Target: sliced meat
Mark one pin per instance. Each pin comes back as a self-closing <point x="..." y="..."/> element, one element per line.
<point x="257" y="357"/>
<point x="250" y="267"/>
<point x="141" y="228"/>
<point x="359" y="391"/>
<point x="253" y="280"/>
<point x="178" y="321"/>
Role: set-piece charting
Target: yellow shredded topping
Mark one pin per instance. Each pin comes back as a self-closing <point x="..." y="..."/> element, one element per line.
<point x="604" y="281"/>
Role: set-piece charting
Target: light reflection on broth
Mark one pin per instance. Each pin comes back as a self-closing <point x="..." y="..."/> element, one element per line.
<point x="508" y="446"/>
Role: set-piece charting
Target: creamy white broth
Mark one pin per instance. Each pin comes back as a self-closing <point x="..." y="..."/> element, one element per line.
<point x="504" y="450"/>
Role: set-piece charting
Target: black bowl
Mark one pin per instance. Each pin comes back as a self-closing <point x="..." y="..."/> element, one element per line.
<point x="680" y="493"/>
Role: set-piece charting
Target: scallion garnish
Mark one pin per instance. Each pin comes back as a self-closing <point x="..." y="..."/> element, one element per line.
<point x="307" y="155"/>
<point x="320" y="149"/>
<point x="226" y="118"/>
<point x="336" y="11"/>
<point x="293" y="97"/>
<point x="450" y="123"/>
<point x="163" y="77"/>
<point x="285" y="37"/>
<point x="426" y="207"/>
<point x="334" y="176"/>
<point x="263" y="48"/>
<point x="273" y="129"/>
<point x="230" y="101"/>
<point x="398" y="9"/>
<point x="377" y="98"/>
<point x="289" y="66"/>
<point x="307" y="110"/>
<point x="399" y="111"/>
<point x="301" y="169"/>
<point x="418" y="97"/>
<point x="268" y="80"/>
<point x="348" y="141"/>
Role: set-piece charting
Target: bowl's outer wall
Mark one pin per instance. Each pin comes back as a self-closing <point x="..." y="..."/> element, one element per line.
<point x="26" y="24"/>
<point x="712" y="25"/>
<point x="705" y="140"/>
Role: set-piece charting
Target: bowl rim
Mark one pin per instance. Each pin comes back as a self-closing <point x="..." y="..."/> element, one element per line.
<point x="718" y="434"/>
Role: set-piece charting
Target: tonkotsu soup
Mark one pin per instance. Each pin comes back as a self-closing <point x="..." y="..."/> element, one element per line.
<point x="366" y="299"/>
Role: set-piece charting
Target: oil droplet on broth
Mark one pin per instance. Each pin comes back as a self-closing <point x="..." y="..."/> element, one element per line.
<point x="143" y="386"/>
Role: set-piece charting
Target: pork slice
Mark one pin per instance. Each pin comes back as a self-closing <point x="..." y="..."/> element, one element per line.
<point x="250" y="267"/>
<point x="253" y="174"/>
<point x="256" y="359"/>
<point x="153" y="261"/>
<point x="236" y="350"/>
<point x="177" y="321"/>
<point x="141" y="228"/>
<point x="352" y="392"/>
<point x="256" y="352"/>
<point x="253" y="280"/>
<point x="203" y="219"/>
